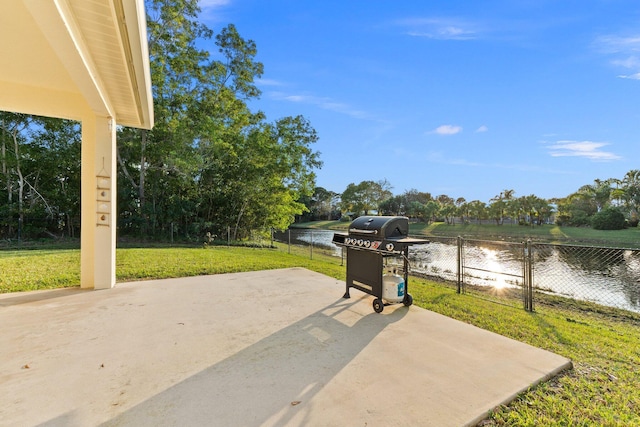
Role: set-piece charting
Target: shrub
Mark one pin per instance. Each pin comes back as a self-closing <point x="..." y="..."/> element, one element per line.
<point x="608" y="219"/>
<point x="580" y="219"/>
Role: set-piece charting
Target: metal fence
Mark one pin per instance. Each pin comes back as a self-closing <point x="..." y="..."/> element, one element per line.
<point x="512" y="272"/>
<point x="606" y="276"/>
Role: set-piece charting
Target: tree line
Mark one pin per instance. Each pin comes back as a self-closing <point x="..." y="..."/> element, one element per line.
<point x="209" y="165"/>
<point x="605" y="204"/>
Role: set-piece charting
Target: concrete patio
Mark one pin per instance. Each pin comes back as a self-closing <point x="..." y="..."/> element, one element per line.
<point x="265" y="348"/>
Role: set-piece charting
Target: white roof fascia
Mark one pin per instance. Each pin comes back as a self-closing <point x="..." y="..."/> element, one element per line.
<point x="131" y="18"/>
<point x="56" y="19"/>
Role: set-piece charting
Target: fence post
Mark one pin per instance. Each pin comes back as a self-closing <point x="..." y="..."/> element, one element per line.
<point x="460" y="266"/>
<point x="289" y="238"/>
<point x="525" y="279"/>
<point x="311" y="246"/>
<point x="527" y="267"/>
<point x="530" y="274"/>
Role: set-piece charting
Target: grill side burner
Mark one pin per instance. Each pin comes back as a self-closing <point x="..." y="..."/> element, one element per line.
<point x="370" y="240"/>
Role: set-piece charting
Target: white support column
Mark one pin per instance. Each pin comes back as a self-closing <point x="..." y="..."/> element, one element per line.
<point x="98" y="235"/>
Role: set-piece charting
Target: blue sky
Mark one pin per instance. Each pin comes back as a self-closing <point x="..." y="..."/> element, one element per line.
<point x="464" y="98"/>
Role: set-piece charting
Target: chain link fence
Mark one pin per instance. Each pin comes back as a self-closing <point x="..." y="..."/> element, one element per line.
<point x="510" y="272"/>
<point x="496" y="270"/>
<point x="607" y="276"/>
<point x="316" y="244"/>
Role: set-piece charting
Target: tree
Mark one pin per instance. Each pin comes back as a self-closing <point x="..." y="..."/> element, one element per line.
<point x="414" y="195"/>
<point x="256" y="181"/>
<point x="430" y="211"/>
<point x="631" y="188"/>
<point x="40" y="163"/>
<point x="322" y="204"/>
<point x="13" y="127"/>
<point x="210" y="162"/>
<point x="177" y="72"/>
<point x="599" y="191"/>
<point x="617" y="193"/>
<point x="496" y="210"/>
<point x="195" y="95"/>
<point x="576" y="209"/>
<point x="395" y="205"/>
<point x="463" y="209"/>
<point x="365" y="196"/>
<point x="447" y="207"/>
<point x="56" y="143"/>
<point x="477" y="209"/>
<point x="405" y="203"/>
<point x="535" y="209"/>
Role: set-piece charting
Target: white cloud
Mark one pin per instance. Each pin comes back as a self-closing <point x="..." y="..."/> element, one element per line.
<point x="269" y="82"/>
<point x="589" y="149"/>
<point x="213" y="11"/>
<point x="482" y="128"/>
<point x="447" y="130"/>
<point x="440" y="28"/>
<point x="324" y="103"/>
<point x="618" y="44"/>
<point x="297" y="98"/>
<point x="629" y="62"/>
<point x="210" y="4"/>
<point x="626" y="49"/>
<point x="635" y="76"/>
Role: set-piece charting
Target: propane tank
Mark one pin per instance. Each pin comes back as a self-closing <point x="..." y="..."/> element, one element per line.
<point x="393" y="287"/>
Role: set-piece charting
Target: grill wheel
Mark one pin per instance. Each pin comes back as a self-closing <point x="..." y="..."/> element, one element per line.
<point x="408" y="300"/>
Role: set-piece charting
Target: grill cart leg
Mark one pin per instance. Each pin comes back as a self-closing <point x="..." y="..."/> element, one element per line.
<point x="346" y="294"/>
<point x="408" y="299"/>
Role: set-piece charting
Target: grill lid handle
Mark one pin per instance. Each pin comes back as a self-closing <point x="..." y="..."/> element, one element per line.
<point x="361" y="231"/>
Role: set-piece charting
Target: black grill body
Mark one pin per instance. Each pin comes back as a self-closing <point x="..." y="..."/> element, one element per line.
<point x="370" y="240"/>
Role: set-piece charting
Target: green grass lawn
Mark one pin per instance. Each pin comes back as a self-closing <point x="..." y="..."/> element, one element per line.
<point x="47" y="269"/>
<point x="604" y="345"/>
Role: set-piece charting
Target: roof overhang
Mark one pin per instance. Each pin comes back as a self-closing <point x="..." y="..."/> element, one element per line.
<point x="62" y="58"/>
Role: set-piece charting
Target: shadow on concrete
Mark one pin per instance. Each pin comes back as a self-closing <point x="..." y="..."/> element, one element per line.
<point x="270" y="381"/>
<point x="28" y="297"/>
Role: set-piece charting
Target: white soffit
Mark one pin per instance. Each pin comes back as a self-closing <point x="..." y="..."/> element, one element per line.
<point x="59" y="58"/>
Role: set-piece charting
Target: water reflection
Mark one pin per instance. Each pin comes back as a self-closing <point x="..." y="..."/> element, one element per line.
<point x="606" y="276"/>
<point x="302" y="236"/>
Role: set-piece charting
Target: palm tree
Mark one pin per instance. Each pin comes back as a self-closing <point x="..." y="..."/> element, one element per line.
<point x="631" y="187"/>
<point x="462" y="207"/>
<point x="616" y="193"/>
<point x="508" y="196"/>
<point x="478" y="209"/>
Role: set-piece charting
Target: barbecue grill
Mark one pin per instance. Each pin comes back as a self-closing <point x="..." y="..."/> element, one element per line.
<point x="370" y="242"/>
